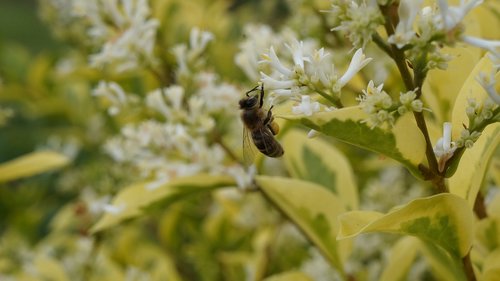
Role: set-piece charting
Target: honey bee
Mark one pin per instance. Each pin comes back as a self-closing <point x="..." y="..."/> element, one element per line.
<point x="259" y="124"/>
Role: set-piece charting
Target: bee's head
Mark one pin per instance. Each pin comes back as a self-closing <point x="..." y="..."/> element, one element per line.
<point x="249" y="102"/>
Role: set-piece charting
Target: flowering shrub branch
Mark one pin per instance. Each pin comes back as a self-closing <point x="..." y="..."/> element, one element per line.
<point x="137" y="122"/>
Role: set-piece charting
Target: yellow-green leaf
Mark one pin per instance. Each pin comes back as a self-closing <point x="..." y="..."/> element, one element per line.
<point x="488" y="234"/>
<point x="130" y="201"/>
<point x="32" y="164"/>
<point x="470" y="89"/>
<point x="443" y="265"/>
<point x="493" y="208"/>
<point x="472" y="168"/>
<point x="441" y="87"/>
<point x="491" y="267"/>
<point x="401" y="257"/>
<point x="317" y="161"/>
<point x="403" y="143"/>
<point x="290" y="275"/>
<point x="49" y="269"/>
<point x="313" y="209"/>
<point x="444" y="219"/>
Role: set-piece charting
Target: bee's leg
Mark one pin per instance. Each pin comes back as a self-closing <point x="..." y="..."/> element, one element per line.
<point x="262" y="97"/>
<point x="269" y="117"/>
<point x="255" y="88"/>
<point x="268" y="122"/>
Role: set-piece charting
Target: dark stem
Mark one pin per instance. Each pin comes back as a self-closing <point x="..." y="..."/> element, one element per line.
<point x="469" y="269"/>
<point x="479" y="207"/>
<point x="414" y="83"/>
<point x="381" y="44"/>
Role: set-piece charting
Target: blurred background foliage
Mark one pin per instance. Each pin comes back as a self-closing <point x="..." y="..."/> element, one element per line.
<point x="53" y="108"/>
<point x="46" y="101"/>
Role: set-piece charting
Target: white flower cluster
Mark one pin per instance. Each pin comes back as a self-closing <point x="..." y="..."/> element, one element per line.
<point x="477" y="112"/>
<point x="380" y="107"/>
<point x="258" y="39"/>
<point x="425" y="29"/>
<point x="378" y="104"/>
<point x="311" y="71"/>
<point x="178" y="135"/>
<point x="488" y="81"/>
<point x="358" y="19"/>
<point x="180" y="145"/>
<point x="189" y="56"/>
<point x="114" y="95"/>
<point x="123" y="31"/>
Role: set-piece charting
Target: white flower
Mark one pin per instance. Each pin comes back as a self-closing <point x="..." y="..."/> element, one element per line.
<point x="113" y="93"/>
<point x="275" y="63"/>
<point x="259" y="38"/>
<point x="114" y="210"/>
<point x="244" y="178"/>
<point x="157" y="183"/>
<point x="488" y="83"/>
<point x="128" y="35"/>
<point x="493" y="46"/>
<point x="452" y="16"/>
<point x="444" y="147"/>
<point x="198" y="40"/>
<point x="404" y="32"/>
<point x="358" y="61"/>
<point x="297" y="50"/>
<point x="321" y="69"/>
<point x="272" y="83"/>
<point x="312" y="134"/>
<point x="305" y="107"/>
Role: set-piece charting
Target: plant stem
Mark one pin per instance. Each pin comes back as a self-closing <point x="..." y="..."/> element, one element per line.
<point x="469" y="270"/>
<point x="414" y="83"/>
<point x="381" y="44"/>
<point x="479" y="207"/>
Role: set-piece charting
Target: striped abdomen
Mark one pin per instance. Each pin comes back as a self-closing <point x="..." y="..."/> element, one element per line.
<point x="266" y="143"/>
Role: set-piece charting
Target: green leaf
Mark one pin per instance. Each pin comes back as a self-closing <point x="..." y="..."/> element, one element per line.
<point x="49" y="268"/>
<point x="290" y="275"/>
<point x="491" y="267"/>
<point x="32" y="164"/>
<point x="401" y="257"/>
<point x="403" y="143"/>
<point x="443" y="265"/>
<point x="441" y="87"/>
<point x="488" y="234"/>
<point x="470" y="89"/>
<point x="317" y="161"/>
<point x="443" y="219"/>
<point x="313" y="209"/>
<point x="472" y="168"/>
<point x="133" y="199"/>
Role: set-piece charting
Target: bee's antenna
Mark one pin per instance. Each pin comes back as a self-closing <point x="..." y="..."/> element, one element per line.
<point x="255" y="88"/>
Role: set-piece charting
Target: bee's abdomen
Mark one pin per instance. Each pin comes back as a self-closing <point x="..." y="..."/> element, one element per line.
<point x="267" y="144"/>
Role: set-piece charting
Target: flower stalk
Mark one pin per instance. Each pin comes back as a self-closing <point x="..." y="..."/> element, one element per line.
<point x="411" y="83"/>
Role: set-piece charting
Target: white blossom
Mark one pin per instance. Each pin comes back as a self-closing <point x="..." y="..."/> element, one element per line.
<point x="488" y="83"/>
<point x="493" y="46"/>
<point x="126" y="31"/>
<point x="113" y="209"/>
<point x="404" y="32"/>
<point x="114" y="94"/>
<point x="358" y="61"/>
<point x="243" y="177"/>
<point x="444" y="147"/>
<point x="306" y="107"/>
<point x="452" y="16"/>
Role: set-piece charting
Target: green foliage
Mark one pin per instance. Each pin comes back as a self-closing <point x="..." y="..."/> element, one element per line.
<point x="120" y="144"/>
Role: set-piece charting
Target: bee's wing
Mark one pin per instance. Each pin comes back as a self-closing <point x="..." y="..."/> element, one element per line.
<point x="249" y="150"/>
